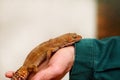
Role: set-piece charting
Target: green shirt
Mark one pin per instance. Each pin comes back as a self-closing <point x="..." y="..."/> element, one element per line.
<point x="97" y="59"/>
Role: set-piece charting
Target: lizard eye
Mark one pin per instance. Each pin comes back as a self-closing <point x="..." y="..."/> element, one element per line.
<point x="74" y="36"/>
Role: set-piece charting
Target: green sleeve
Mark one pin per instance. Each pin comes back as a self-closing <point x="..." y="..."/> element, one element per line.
<point x="97" y="59"/>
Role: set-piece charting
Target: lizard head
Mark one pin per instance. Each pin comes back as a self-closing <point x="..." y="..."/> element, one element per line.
<point x="73" y="37"/>
<point x="70" y="38"/>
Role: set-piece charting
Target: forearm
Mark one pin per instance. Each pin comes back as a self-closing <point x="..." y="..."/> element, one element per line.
<point x="58" y="66"/>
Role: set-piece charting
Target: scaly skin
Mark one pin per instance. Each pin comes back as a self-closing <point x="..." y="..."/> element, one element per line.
<point x="42" y="52"/>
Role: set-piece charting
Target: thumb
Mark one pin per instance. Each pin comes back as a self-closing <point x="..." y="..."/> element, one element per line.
<point x="9" y="74"/>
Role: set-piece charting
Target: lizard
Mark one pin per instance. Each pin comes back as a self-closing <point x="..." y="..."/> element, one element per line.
<point x="42" y="52"/>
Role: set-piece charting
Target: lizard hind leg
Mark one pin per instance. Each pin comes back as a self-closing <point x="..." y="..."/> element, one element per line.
<point x="32" y="68"/>
<point x="20" y="74"/>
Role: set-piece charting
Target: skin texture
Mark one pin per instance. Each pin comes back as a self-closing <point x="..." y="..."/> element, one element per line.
<point x="42" y="53"/>
<point x="59" y="64"/>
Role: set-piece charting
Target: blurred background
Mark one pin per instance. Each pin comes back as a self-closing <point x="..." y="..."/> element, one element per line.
<point x="108" y="18"/>
<point x="26" y="23"/>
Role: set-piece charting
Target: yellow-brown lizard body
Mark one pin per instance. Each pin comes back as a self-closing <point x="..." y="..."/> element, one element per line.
<point x="42" y="52"/>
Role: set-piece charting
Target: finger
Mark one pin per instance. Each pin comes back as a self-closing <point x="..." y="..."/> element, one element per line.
<point x="9" y="74"/>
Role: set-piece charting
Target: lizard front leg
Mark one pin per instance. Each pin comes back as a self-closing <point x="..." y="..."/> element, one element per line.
<point x="51" y="51"/>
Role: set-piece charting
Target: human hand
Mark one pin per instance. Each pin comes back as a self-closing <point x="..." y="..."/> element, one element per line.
<point x="60" y="63"/>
